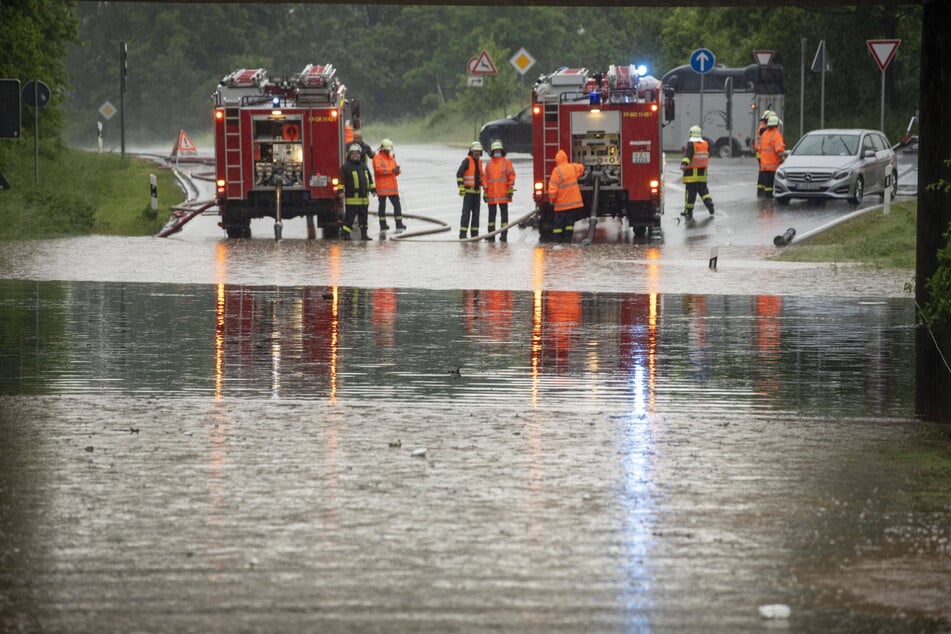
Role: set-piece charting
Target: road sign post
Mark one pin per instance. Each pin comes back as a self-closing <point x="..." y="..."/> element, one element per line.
<point x="702" y="61"/>
<point x="37" y="95"/>
<point x="883" y="51"/>
<point x="820" y="63"/>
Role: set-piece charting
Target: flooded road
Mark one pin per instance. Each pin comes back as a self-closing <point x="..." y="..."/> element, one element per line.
<point x="204" y="435"/>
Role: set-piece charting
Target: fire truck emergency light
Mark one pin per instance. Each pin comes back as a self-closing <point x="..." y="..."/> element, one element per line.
<point x="276" y="101"/>
<point x="594" y="101"/>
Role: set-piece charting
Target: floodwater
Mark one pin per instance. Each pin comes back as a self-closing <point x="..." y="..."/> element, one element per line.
<point x="213" y="436"/>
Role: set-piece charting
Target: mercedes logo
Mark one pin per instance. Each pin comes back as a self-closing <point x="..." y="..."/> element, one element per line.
<point x="809" y="178"/>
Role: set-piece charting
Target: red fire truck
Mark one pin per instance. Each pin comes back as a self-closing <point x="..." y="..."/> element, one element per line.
<point x="279" y="144"/>
<point x="610" y="123"/>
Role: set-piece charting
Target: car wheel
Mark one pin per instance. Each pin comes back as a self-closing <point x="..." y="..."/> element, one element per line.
<point x="858" y="191"/>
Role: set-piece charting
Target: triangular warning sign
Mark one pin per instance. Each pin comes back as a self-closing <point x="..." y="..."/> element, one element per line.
<point x="184" y="145"/>
<point x="482" y="65"/>
<point x="883" y="51"/>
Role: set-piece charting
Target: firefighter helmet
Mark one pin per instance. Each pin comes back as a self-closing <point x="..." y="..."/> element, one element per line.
<point x="354" y="147"/>
<point x="496" y="145"/>
<point x="772" y="122"/>
<point x="475" y="147"/>
<point x="695" y="131"/>
<point x="386" y="144"/>
<point x="767" y="115"/>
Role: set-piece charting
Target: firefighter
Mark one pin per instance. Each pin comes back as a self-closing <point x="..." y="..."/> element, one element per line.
<point x="772" y="149"/>
<point x="759" y="135"/>
<point x="499" y="187"/>
<point x="694" y="166"/>
<point x="385" y="171"/>
<point x="470" y="176"/>
<point x="356" y="185"/>
<point x="565" y="196"/>
<point x="365" y="150"/>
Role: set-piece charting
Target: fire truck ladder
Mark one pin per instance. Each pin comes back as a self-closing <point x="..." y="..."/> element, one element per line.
<point x="234" y="163"/>
<point x="550" y="136"/>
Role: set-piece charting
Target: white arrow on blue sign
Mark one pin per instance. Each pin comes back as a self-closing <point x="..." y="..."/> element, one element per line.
<point x="702" y="60"/>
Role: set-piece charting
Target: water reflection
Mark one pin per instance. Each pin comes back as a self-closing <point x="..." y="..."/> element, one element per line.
<point x="546" y="347"/>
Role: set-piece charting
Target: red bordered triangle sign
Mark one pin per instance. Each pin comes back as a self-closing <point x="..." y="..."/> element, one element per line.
<point x="883" y="51"/>
<point x="184" y="145"/>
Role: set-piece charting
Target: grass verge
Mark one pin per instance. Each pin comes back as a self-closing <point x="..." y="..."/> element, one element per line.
<point x="876" y="239"/>
<point x="81" y="193"/>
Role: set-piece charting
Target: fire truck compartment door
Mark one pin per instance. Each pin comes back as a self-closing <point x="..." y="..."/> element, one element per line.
<point x="607" y="121"/>
<point x="596" y="137"/>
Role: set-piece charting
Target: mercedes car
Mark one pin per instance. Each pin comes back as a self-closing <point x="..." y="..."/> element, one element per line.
<point x="837" y="164"/>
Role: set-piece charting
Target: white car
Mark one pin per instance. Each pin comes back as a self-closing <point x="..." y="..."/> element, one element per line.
<point x="838" y="164"/>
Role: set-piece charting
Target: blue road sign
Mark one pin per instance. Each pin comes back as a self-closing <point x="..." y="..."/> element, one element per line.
<point x="702" y="60"/>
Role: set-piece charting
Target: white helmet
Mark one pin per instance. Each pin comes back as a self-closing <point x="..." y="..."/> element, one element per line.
<point x="386" y="144"/>
<point x="695" y="131"/>
<point x="354" y="147"/>
<point x="496" y="145"/>
<point x="772" y="122"/>
<point x="475" y="147"/>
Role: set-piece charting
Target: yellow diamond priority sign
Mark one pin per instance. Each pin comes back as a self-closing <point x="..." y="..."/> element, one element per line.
<point x="522" y="61"/>
<point x="107" y="110"/>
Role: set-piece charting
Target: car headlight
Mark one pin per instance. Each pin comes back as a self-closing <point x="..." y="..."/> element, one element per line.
<point x="780" y="173"/>
<point x="841" y="174"/>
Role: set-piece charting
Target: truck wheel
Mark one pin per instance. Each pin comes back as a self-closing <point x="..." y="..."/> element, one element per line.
<point x="239" y="230"/>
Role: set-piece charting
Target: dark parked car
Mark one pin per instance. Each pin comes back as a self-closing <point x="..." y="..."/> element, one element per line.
<point x="514" y="132"/>
<point x="840" y="163"/>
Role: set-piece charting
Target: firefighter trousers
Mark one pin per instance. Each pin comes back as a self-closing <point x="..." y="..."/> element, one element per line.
<point x="359" y="213"/>
<point x="503" y="211"/>
<point x="564" y="225"/>
<point x="471" y="204"/>
<point x="764" y="185"/>
<point x="397" y="211"/>
<point x="691" y="191"/>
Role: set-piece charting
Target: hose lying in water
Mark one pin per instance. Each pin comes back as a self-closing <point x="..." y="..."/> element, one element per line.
<point x="443" y="226"/>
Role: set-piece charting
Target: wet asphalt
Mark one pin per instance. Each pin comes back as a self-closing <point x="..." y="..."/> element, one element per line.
<point x="418" y="436"/>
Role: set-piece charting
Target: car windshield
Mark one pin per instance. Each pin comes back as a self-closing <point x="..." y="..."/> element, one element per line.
<point x="828" y="145"/>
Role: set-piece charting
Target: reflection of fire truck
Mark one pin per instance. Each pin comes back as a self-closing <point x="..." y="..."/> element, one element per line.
<point x="611" y="123"/>
<point x="279" y="144"/>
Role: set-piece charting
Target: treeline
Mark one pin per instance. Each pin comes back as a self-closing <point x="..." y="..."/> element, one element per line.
<point x="409" y="61"/>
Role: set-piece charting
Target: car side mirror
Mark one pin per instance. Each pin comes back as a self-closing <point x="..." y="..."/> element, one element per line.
<point x="869" y="154"/>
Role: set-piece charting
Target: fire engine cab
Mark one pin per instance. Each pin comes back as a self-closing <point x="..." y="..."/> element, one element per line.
<point x="279" y="144"/>
<point x="610" y="122"/>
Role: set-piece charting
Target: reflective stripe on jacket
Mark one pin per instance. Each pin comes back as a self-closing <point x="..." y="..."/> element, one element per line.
<point x="695" y="161"/>
<point x="499" y="180"/>
<point x="563" y="187"/>
<point x="356" y="182"/>
<point x="470" y="175"/>
<point x="771" y="148"/>
<point x="384" y="174"/>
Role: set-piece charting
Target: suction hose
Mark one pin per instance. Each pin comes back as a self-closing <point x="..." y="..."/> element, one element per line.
<point x="593" y="218"/>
